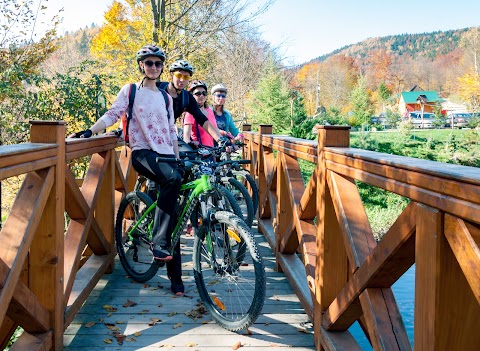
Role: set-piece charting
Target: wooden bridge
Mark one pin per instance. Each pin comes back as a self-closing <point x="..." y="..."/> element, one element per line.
<point x="319" y="234"/>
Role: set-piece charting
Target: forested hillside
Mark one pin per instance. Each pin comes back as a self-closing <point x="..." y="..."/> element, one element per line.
<point x="428" y="45"/>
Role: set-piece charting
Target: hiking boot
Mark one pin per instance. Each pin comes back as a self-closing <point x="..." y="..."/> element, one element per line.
<point x="160" y="253"/>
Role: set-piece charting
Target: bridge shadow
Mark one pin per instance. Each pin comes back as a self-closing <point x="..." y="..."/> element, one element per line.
<point x="123" y="314"/>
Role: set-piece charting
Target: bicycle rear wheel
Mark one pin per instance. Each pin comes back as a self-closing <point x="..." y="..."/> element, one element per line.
<point x="134" y="250"/>
<point x="247" y="180"/>
<point x="232" y="290"/>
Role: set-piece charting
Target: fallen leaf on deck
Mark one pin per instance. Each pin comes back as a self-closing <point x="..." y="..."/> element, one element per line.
<point x="137" y="334"/>
<point x="302" y="331"/>
<point x="120" y="322"/>
<point x="130" y="339"/>
<point x="146" y="286"/>
<point x="120" y="338"/>
<point x="273" y="345"/>
<point x="171" y="314"/>
<point x="109" y="308"/>
<point x="89" y="324"/>
<point x="129" y="303"/>
<point x="178" y="325"/>
<point x="113" y="327"/>
<point x="190" y="344"/>
<point x="154" y="321"/>
<point x="107" y="341"/>
<point x="236" y="346"/>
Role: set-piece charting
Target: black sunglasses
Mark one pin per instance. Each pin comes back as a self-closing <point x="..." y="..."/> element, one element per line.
<point x="157" y="64"/>
<point x="198" y="93"/>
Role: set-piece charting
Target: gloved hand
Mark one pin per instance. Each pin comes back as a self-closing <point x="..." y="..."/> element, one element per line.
<point x="223" y="142"/>
<point x="194" y="144"/>
<point x="181" y="170"/>
<point x="84" y="134"/>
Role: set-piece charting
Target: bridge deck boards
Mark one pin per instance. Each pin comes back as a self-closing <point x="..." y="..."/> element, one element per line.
<point x="159" y="320"/>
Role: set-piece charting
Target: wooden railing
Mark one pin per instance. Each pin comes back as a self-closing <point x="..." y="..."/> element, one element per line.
<point x="340" y="273"/>
<point x="48" y="268"/>
<point x="320" y="233"/>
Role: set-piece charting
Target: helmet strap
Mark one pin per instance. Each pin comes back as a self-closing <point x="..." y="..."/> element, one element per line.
<point x="179" y="91"/>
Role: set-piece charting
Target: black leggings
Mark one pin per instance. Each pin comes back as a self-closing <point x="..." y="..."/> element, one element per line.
<point x="165" y="175"/>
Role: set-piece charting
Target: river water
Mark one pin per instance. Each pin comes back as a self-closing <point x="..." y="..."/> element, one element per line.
<point x="404" y="291"/>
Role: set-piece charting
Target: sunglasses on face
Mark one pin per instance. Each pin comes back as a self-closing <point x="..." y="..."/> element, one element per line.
<point x="181" y="76"/>
<point x="199" y="93"/>
<point x="222" y="96"/>
<point x="157" y="64"/>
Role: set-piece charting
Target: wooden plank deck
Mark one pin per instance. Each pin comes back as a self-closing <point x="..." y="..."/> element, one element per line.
<point x="160" y="320"/>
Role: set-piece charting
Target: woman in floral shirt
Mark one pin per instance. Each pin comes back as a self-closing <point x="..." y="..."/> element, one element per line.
<point x="152" y="134"/>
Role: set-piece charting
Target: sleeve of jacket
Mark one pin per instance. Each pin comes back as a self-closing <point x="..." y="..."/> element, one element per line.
<point x="230" y="125"/>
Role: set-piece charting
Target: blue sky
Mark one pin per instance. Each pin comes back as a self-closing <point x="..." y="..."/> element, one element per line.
<point x="310" y="28"/>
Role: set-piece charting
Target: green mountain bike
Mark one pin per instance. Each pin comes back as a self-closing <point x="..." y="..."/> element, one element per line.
<point x="228" y="269"/>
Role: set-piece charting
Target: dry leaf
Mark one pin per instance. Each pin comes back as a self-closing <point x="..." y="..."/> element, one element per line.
<point x="144" y="312"/>
<point x="146" y="286"/>
<point x="129" y="303"/>
<point x="300" y="330"/>
<point x="236" y="346"/>
<point x="137" y="334"/>
<point x="273" y="345"/>
<point x="107" y="341"/>
<point x="130" y="339"/>
<point x="113" y="327"/>
<point x="89" y="324"/>
<point x="154" y="321"/>
<point x="120" y="338"/>
<point x="190" y="344"/>
<point x="109" y="308"/>
<point x="166" y="345"/>
<point x="178" y="325"/>
<point x="171" y="314"/>
<point x="120" y="322"/>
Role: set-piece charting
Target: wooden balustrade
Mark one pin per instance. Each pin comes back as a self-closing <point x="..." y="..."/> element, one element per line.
<point x="320" y="232"/>
<point x="48" y="269"/>
<point x="340" y="273"/>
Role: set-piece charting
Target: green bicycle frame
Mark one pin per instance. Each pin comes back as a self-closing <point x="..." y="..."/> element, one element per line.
<point x="199" y="186"/>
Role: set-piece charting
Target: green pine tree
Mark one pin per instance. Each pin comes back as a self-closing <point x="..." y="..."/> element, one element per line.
<point x="271" y="101"/>
<point x="362" y="106"/>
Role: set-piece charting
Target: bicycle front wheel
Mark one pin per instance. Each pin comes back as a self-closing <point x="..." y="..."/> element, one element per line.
<point x="134" y="249"/>
<point x="232" y="289"/>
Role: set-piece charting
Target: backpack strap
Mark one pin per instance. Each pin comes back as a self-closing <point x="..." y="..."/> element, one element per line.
<point x="185" y="99"/>
<point x="131" y="99"/>
<point x="161" y="86"/>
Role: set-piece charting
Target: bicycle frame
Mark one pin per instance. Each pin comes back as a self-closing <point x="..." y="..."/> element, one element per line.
<point x="199" y="186"/>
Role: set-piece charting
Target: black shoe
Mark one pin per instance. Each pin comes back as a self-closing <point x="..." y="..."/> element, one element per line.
<point x="177" y="288"/>
<point x="160" y="253"/>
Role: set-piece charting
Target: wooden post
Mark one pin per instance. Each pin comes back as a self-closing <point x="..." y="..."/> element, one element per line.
<point x="262" y="172"/>
<point x="246" y="128"/>
<point x="247" y="149"/>
<point x="331" y="269"/>
<point x="47" y="250"/>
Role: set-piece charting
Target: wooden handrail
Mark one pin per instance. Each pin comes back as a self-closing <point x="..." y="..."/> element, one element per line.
<point x="319" y="231"/>
<point x="340" y="273"/>
<point x="46" y="271"/>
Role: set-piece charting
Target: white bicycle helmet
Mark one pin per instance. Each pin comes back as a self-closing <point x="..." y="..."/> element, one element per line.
<point x="219" y="88"/>
<point x="197" y="83"/>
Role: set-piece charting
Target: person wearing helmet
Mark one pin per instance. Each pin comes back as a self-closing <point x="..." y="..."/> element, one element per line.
<point x="181" y="72"/>
<point x="193" y="133"/>
<point x="222" y="116"/>
<point x="152" y="134"/>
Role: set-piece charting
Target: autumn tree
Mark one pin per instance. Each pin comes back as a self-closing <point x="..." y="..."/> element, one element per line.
<point x="337" y="78"/>
<point x="307" y="81"/>
<point x="380" y="62"/>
